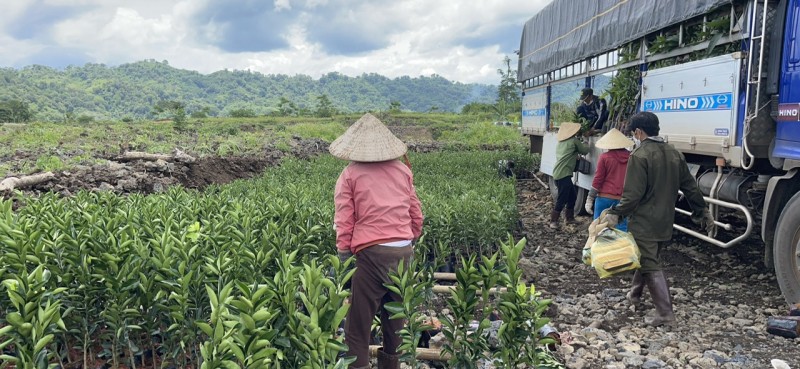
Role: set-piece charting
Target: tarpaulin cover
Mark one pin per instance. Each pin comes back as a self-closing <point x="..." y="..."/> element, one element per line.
<point x="567" y="31"/>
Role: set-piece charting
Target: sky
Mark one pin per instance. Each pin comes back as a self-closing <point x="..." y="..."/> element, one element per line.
<point x="461" y="40"/>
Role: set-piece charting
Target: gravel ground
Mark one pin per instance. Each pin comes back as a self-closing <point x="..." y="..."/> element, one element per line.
<point x="722" y="300"/>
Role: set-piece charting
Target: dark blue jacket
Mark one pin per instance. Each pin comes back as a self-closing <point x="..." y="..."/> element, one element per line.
<point x="596" y="112"/>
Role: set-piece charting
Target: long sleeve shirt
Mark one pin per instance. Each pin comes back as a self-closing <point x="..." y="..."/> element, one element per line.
<point x="656" y="171"/>
<point x="596" y="112"/>
<point x="609" y="178"/>
<point x="376" y="203"/>
<point x="566" y="155"/>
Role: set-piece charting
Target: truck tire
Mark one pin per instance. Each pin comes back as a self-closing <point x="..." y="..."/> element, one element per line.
<point x="580" y="202"/>
<point x="786" y="250"/>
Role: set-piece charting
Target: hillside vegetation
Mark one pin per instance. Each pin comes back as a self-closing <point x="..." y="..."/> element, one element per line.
<point x="132" y="91"/>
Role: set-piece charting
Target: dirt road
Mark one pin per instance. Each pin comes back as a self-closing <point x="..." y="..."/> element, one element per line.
<point x="722" y="300"/>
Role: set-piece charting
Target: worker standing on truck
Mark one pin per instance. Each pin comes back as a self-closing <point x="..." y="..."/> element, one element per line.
<point x="594" y="109"/>
<point x="609" y="176"/>
<point x="656" y="171"/>
<point x="567" y="151"/>
<point x="377" y="218"/>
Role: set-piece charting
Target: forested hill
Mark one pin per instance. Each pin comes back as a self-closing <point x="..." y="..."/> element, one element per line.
<point x="132" y="90"/>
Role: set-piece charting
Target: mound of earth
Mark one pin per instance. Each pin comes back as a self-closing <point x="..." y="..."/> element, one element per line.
<point x="148" y="176"/>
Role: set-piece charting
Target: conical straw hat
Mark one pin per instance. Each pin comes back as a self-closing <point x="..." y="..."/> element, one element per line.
<point x="614" y="139"/>
<point x="367" y="140"/>
<point x="567" y="130"/>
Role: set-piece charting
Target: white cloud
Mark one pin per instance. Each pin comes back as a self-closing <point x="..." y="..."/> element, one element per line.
<point x="462" y="41"/>
<point x="12" y="10"/>
<point x="12" y="51"/>
<point x="283" y="5"/>
<point x="129" y="27"/>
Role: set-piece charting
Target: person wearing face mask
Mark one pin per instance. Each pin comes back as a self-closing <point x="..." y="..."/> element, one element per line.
<point x="636" y="142"/>
<point x="655" y="173"/>
<point x="609" y="176"/>
<point x="594" y="109"/>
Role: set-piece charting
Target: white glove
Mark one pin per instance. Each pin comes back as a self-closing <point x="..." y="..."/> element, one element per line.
<point x="590" y="201"/>
<point x="611" y="220"/>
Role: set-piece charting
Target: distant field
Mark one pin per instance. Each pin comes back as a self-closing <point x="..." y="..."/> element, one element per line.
<point x="26" y="148"/>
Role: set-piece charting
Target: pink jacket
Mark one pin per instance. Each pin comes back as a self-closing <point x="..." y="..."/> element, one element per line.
<point x="376" y="203"/>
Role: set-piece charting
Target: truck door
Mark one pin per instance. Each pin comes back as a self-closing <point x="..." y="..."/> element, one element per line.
<point x="534" y="111"/>
<point x="787" y="136"/>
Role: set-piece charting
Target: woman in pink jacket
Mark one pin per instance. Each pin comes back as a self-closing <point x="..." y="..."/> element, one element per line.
<point x="378" y="216"/>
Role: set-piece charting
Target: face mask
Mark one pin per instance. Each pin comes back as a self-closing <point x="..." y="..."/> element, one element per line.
<point x="636" y="141"/>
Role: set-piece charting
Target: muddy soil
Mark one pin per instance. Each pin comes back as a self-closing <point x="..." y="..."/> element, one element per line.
<point x="155" y="176"/>
<point x="142" y="176"/>
<point x="722" y="299"/>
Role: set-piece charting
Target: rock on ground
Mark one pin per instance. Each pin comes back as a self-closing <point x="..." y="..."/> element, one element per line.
<point x="722" y="299"/>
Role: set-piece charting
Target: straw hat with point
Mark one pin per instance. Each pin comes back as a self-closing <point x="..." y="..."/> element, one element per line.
<point x="567" y="130"/>
<point x="614" y="139"/>
<point x="368" y="140"/>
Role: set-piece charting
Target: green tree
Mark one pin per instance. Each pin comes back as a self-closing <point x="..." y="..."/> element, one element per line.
<point x="508" y="93"/>
<point x="394" y="106"/>
<point x="477" y="108"/>
<point x="202" y="113"/>
<point x="69" y="117"/>
<point x="175" y="110"/>
<point x="15" y="111"/>
<point x="325" y="107"/>
<point x="85" y="119"/>
<point x="286" y="107"/>
<point x="242" y="113"/>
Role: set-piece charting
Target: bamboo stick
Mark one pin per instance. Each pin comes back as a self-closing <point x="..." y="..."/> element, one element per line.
<point x="546" y="187"/>
<point x="444" y="276"/>
<point x="446" y="289"/>
<point x="138" y="155"/>
<point x="422" y="353"/>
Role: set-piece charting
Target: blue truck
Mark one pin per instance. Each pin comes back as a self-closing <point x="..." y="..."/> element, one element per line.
<point x="723" y="76"/>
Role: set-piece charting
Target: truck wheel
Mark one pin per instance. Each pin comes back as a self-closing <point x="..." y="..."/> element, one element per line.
<point x="786" y="250"/>
<point x="580" y="203"/>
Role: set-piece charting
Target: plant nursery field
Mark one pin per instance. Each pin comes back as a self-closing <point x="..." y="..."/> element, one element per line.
<point x="244" y="275"/>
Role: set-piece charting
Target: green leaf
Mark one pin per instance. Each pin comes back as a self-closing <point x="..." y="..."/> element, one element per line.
<point x="394" y="307"/>
<point x="205" y="327"/>
<point x="230" y="365"/>
<point x="44" y="341"/>
<point x="247" y="321"/>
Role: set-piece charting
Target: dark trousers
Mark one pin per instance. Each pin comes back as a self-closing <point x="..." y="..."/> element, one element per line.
<point x="650" y="253"/>
<point x="373" y="265"/>
<point x="567" y="194"/>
